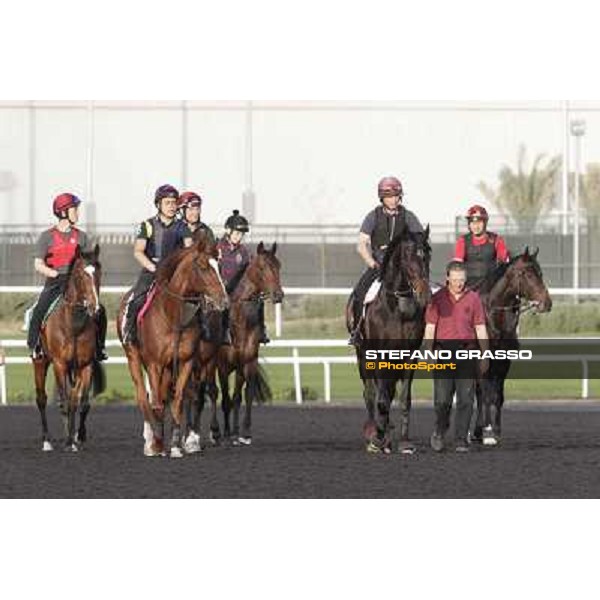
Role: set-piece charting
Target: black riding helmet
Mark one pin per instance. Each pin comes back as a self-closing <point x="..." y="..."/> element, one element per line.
<point x="237" y="222"/>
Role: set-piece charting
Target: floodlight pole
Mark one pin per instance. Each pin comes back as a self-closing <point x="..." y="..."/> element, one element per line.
<point x="577" y="130"/>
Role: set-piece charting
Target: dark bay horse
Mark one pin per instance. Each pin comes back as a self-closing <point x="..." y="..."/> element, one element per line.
<point x="261" y="279"/>
<point x="68" y="340"/>
<point x="396" y="319"/>
<point x="507" y="292"/>
<point x="187" y="282"/>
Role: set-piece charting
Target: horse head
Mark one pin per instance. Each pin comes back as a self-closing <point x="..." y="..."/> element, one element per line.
<point x="264" y="271"/>
<point x="525" y="280"/>
<point x="405" y="268"/>
<point x="83" y="282"/>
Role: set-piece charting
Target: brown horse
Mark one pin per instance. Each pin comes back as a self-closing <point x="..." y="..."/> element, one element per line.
<point x="260" y="279"/>
<point x="187" y="282"/>
<point x="507" y="292"/>
<point x="394" y="320"/>
<point x="69" y="342"/>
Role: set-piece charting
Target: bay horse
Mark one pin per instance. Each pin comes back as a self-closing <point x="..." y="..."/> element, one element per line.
<point x="261" y="279"/>
<point x="508" y="291"/>
<point x="68" y="340"/>
<point x="395" y="319"/>
<point x="187" y="282"/>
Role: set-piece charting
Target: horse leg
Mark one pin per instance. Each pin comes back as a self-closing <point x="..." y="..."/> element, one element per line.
<point x="225" y="402"/>
<point x="157" y="422"/>
<point x="477" y="436"/>
<point x="134" y="363"/>
<point x="237" y="401"/>
<point x="62" y="387"/>
<point x="405" y="445"/>
<point x="212" y="392"/>
<point x="382" y="443"/>
<point x="40" y="369"/>
<point x="370" y="426"/>
<point x="176" y="407"/>
<point x="194" y="405"/>
<point x="82" y="384"/>
<point x="250" y="375"/>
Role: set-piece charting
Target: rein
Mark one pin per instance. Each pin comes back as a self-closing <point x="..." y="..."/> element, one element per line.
<point x="521" y="305"/>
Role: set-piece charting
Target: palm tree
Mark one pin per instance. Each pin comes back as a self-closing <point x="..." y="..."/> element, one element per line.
<point x="524" y="195"/>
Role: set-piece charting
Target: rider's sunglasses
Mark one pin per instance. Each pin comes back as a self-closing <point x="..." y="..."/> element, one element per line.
<point x="475" y="219"/>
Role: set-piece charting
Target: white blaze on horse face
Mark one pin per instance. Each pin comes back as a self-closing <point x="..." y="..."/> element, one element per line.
<point x="90" y="270"/>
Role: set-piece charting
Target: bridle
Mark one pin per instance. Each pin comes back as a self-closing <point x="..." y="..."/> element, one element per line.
<point x="521" y="304"/>
<point x="409" y="291"/>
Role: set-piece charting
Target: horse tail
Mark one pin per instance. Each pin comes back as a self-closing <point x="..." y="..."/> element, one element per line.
<point x="263" y="389"/>
<point x="98" y="378"/>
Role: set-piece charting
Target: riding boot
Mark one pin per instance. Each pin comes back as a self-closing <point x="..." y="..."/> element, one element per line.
<point x="101" y="325"/>
<point x="356" y="336"/>
<point x="264" y="338"/>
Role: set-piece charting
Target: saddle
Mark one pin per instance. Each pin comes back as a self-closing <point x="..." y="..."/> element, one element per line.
<point x="30" y="309"/>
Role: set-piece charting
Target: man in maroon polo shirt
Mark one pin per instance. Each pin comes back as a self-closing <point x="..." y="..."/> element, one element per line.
<point x="454" y="319"/>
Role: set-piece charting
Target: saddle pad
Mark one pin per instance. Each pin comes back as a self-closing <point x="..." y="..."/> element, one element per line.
<point x="146" y="305"/>
<point x="51" y="309"/>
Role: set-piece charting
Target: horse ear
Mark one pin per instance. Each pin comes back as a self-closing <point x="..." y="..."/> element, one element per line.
<point x="96" y="251"/>
<point x="260" y="248"/>
<point x="274" y="248"/>
<point x="427" y="232"/>
<point x="77" y="251"/>
<point x="535" y="252"/>
<point x="526" y="251"/>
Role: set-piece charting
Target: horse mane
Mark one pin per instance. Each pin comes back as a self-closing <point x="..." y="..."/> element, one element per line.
<point x="168" y="266"/>
<point x="405" y="236"/>
<point x="496" y="274"/>
<point x="87" y="256"/>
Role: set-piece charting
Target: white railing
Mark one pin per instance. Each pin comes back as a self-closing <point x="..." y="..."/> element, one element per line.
<point x="291" y="291"/>
<point x="295" y="360"/>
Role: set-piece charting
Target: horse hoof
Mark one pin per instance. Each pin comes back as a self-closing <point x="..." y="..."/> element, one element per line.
<point x="407" y="448"/>
<point x="192" y="443"/>
<point x="489" y="438"/>
<point x="245" y="441"/>
<point x="372" y="448"/>
<point x="176" y="452"/>
<point x="235" y="442"/>
<point x="47" y="446"/>
<point x="151" y="450"/>
<point x="71" y="448"/>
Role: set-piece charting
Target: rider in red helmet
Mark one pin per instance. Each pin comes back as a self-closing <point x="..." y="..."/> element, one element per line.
<point x="156" y="238"/>
<point x="55" y="250"/>
<point x="481" y="250"/>
<point x="190" y="209"/>
<point x="378" y="229"/>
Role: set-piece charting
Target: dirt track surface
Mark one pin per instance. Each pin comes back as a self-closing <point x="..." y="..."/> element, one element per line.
<point x="547" y="451"/>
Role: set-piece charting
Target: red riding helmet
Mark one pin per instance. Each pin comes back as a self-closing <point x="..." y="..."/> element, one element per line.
<point x="189" y="198"/>
<point x="389" y="186"/>
<point x="477" y="212"/>
<point x="63" y="202"/>
<point x="165" y="191"/>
